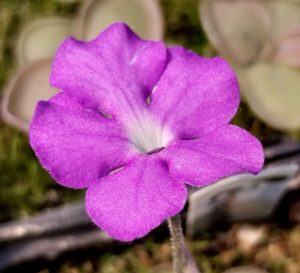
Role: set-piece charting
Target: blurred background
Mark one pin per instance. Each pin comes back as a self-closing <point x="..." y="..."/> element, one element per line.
<point x="43" y="227"/>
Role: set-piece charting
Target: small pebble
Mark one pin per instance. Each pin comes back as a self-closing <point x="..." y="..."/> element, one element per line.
<point x="248" y="237"/>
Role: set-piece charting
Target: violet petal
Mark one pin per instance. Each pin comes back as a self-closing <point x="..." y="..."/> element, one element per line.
<point x="195" y="94"/>
<point x="226" y="151"/>
<point x="115" y="72"/>
<point x="75" y="144"/>
<point x="134" y="200"/>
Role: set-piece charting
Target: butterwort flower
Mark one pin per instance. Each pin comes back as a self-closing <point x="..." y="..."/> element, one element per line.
<point x="135" y="123"/>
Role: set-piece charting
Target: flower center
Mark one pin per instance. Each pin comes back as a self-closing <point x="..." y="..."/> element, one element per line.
<point x="148" y="135"/>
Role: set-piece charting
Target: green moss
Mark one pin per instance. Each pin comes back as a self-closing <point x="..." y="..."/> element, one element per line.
<point x="183" y="24"/>
<point x="25" y="186"/>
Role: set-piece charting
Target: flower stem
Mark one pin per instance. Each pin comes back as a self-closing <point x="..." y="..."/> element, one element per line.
<point x="182" y="259"/>
<point x="174" y="224"/>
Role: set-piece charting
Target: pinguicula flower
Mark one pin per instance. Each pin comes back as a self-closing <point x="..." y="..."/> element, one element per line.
<point x="135" y="123"/>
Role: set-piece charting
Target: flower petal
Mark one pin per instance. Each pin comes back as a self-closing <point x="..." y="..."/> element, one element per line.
<point x="225" y="151"/>
<point x="195" y="94"/>
<point x="75" y="144"/>
<point x="115" y="72"/>
<point x="134" y="200"/>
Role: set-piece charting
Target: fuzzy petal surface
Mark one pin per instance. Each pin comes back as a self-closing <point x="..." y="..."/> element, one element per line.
<point x="76" y="144"/>
<point x="134" y="123"/>
<point x="114" y="73"/>
<point x="134" y="200"/>
<point x="226" y="151"/>
<point x="195" y="94"/>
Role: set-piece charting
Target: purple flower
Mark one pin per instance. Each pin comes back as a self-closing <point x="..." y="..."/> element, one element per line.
<point x="134" y="123"/>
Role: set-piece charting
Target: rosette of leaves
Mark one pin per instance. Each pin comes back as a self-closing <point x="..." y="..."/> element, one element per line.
<point x="261" y="38"/>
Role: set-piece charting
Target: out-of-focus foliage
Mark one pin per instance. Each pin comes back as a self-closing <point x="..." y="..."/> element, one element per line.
<point x="261" y="40"/>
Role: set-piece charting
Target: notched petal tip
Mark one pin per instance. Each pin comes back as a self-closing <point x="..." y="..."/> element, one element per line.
<point x="64" y="48"/>
<point x="258" y="154"/>
<point x="72" y="45"/>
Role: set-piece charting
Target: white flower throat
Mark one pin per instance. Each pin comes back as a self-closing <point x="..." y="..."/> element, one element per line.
<point x="148" y="135"/>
